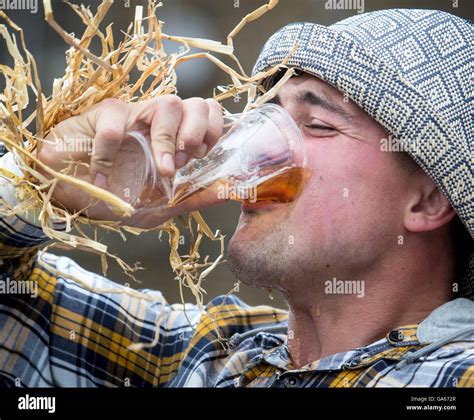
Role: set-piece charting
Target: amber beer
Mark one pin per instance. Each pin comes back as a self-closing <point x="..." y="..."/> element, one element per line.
<point x="281" y="187"/>
<point x="284" y="187"/>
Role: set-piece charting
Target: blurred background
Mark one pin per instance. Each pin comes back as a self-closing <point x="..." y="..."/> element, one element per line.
<point x="210" y="19"/>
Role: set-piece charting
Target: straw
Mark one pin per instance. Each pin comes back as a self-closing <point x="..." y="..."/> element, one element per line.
<point x="89" y="79"/>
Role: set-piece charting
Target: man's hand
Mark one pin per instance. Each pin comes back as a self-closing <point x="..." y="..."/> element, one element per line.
<point x="179" y="130"/>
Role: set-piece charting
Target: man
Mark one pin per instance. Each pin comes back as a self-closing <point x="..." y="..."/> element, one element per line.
<point x="375" y="221"/>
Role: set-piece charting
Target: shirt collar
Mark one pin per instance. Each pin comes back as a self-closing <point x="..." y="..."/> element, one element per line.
<point x="393" y="346"/>
<point x="449" y="317"/>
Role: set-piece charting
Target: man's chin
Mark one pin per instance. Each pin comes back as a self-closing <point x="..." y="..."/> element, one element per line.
<point x="246" y="268"/>
<point x="250" y="253"/>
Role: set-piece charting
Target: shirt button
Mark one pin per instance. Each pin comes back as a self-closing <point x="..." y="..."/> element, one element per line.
<point x="396" y="336"/>
<point x="292" y="381"/>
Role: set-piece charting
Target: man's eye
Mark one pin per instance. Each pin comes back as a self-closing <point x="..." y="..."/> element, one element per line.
<point x="319" y="127"/>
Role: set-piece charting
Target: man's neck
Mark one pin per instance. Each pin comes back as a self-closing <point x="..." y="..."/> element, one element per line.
<point x="334" y="315"/>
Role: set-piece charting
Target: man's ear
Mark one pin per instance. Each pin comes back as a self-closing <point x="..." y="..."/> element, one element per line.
<point x="429" y="209"/>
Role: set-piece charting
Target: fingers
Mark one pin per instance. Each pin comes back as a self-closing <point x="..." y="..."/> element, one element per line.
<point x="110" y="123"/>
<point x="163" y="115"/>
<point x="179" y="130"/>
<point x="193" y="128"/>
<point x="201" y="127"/>
<point x="215" y="125"/>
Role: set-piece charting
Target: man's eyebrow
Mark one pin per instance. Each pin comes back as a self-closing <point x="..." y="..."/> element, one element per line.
<point x="310" y="98"/>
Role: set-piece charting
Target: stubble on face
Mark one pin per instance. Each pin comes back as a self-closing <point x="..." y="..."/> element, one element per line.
<point x="265" y="252"/>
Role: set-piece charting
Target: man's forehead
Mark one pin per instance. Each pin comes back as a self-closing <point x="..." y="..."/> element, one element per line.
<point x="307" y="81"/>
<point x="304" y="82"/>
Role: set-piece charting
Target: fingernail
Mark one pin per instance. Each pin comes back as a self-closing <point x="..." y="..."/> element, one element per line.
<point x="167" y="162"/>
<point x="201" y="151"/>
<point x="100" y="180"/>
<point x="180" y="159"/>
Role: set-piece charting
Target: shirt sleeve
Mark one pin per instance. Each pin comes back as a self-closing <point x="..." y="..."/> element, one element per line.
<point x="20" y="235"/>
<point x="61" y="325"/>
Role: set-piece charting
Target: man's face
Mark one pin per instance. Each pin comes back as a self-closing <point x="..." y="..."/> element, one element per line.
<point x="350" y="212"/>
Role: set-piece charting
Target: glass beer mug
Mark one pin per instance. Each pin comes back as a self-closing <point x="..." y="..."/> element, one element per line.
<point x="261" y="157"/>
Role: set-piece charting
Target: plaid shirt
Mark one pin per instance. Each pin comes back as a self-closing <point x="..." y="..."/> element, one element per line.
<point x="70" y="336"/>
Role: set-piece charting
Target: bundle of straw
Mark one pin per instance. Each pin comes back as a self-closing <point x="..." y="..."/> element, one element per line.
<point x="88" y="80"/>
